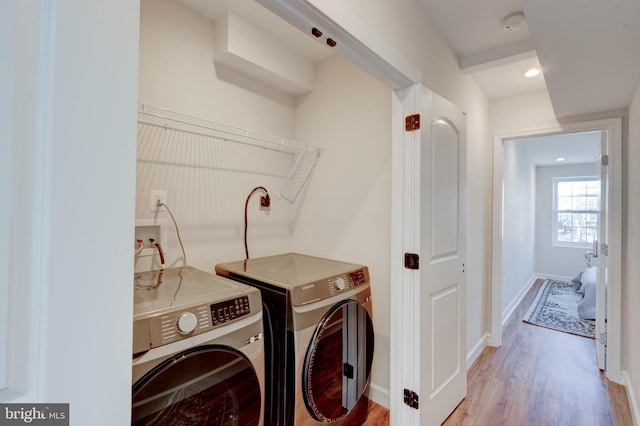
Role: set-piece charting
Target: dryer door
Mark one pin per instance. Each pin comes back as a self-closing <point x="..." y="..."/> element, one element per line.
<point x="338" y="361"/>
<point x="206" y="385"/>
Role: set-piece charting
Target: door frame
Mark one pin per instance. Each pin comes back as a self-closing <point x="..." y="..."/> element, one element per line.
<point x="405" y="301"/>
<point x="614" y="300"/>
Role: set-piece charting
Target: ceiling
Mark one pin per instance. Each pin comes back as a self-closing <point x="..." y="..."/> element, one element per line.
<point x="589" y="52"/>
<point x="574" y="148"/>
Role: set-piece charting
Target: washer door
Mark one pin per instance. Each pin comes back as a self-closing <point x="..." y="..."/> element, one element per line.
<point x="338" y="362"/>
<point x="206" y="385"/>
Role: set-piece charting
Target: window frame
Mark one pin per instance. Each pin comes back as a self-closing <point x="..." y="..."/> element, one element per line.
<point x="556" y="212"/>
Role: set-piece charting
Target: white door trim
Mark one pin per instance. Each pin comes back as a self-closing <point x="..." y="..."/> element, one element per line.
<point x="614" y="300"/>
<point x="26" y="290"/>
<point x="404" y="301"/>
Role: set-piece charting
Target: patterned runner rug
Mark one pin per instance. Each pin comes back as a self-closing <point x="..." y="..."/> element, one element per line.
<point x="556" y="307"/>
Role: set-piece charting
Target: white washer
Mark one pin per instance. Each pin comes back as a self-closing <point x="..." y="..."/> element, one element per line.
<point x="198" y="354"/>
<point x="318" y="337"/>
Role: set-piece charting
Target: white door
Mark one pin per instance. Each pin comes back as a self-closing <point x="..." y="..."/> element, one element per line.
<point x="442" y="286"/>
<point x="601" y="250"/>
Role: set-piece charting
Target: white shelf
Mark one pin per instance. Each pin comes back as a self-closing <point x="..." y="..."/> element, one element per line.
<point x="297" y="160"/>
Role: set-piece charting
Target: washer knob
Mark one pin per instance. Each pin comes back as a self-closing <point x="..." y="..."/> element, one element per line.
<point x="340" y="283"/>
<point x="187" y="322"/>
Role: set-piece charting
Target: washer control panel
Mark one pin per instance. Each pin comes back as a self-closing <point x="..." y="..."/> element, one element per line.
<point x="229" y="310"/>
<point x="181" y="324"/>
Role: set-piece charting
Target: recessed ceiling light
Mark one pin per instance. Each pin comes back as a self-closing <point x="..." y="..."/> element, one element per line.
<point x="560" y="159"/>
<point x="532" y="72"/>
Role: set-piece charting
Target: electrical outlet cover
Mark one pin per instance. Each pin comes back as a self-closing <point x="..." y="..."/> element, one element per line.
<point x="157" y="196"/>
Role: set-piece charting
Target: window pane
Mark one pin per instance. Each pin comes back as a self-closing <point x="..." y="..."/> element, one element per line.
<point x="579" y="188"/>
<point x="564" y="189"/>
<point x="592" y="203"/>
<point x="564" y="203"/>
<point x="578" y="205"/>
<point x="593" y="187"/>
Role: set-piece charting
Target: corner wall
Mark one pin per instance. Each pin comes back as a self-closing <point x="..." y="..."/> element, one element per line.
<point x="519" y="233"/>
<point x="406" y="28"/>
<point x="348" y="205"/>
<point x="347" y="213"/>
<point x="631" y="266"/>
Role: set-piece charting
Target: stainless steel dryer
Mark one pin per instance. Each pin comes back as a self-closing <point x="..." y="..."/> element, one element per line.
<point x="198" y="354"/>
<point x="318" y="337"/>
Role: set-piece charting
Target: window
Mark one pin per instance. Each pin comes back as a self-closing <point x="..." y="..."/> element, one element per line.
<point x="576" y="211"/>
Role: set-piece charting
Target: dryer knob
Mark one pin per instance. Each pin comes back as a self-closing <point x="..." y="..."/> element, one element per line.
<point x="187" y="322"/>
<point x="340" y="283"/>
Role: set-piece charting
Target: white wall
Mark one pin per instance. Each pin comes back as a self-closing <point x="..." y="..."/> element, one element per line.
<point x="72" y="203"/>
<point x="359" y="232"/>
<point x="519" y="212"/>
<point x="530" y="111"/>
<point x="347" y="213"/>
<point x="177" y="72"/>
<point x="207" y="183"/>
<point x="630" y="265"/>
<point x="407" y="29"/>
<point x="553" y="259"/>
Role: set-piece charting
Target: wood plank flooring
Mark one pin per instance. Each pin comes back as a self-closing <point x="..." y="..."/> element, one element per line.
<point x="537" y="377"/>
<point x="378" y="415"/>
<point x="540" y="377"/>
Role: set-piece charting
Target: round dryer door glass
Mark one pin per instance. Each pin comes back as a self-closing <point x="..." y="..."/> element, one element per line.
<point x="338" y="362"/>
<point x="209" y="385"/>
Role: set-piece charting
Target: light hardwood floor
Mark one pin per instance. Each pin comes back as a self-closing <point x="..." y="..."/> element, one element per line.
<point x="537" y="377"/>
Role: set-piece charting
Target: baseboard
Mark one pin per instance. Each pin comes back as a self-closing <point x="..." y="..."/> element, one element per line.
<point x="516" y="300"/>
<point x="631" y="396"/>
<point x="379" y="395"/>
<point x="477" y="350"/>
<point x="552" y="277"/>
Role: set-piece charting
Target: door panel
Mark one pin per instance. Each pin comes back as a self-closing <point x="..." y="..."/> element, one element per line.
<point x="444" y="187"/>
<point x="445" y="303"/>
<point x="443" y="381"/>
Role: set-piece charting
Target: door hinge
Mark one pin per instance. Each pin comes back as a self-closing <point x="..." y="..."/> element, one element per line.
<point x="602" y="338"/>
<point x="412" y="122"/>
<point x="411" y="261"/>
<point x="604" y="160"/>
<point x="411" y="398"/>
<point x="604" y="249"/>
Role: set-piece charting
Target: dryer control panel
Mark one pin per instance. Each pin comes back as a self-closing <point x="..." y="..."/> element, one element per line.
<point x="329" y="287"/>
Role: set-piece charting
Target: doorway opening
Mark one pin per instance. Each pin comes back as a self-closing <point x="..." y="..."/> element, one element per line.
<point x="556" y="242"/>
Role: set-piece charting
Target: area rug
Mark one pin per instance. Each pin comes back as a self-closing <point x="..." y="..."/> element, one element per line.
<point x="556" y="307"/>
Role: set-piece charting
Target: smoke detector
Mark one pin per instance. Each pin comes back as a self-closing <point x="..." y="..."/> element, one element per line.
<point x="513" y="21"/>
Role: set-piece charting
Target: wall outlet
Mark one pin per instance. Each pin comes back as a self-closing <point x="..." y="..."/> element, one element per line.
<point x="157" y="197"/>
<point x="265" y="202"/>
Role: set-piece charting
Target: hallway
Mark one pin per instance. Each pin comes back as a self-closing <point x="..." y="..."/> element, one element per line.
<point x="540" y="377"/>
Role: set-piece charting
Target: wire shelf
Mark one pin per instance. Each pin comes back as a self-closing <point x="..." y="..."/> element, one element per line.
<point x="290" y="160"/>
